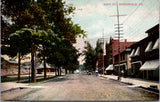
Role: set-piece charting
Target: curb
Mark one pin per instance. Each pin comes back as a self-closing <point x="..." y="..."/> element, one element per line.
<point x="146" y="88"/>
<point x="150" y="89"/>
<point x="121" y="81"/>
<point x="13" y="89"/>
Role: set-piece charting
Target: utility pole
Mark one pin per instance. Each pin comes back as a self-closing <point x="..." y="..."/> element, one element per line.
<point x="102" y="43"/>
<point x="103" y="51"/>
<point x="119" y="36"/>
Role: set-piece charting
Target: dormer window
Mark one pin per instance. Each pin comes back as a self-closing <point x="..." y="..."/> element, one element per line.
<point x="156" y="45"/>
<point x="149" y="47"/>
<point x="137" y="53"/>
<point x="132" y="53"/>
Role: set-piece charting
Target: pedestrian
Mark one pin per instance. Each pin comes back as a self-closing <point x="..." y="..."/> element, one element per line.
<point x="96" y="72"/>
<point x="122" y="72"/>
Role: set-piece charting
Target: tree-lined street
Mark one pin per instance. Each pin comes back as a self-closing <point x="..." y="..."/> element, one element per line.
<point x="48" y="53"/>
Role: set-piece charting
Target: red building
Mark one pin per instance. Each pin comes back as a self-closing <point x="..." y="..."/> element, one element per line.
<point x="113" y="44"/>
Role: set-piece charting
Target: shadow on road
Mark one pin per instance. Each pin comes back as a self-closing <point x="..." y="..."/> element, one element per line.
<point x="60" y="79"/>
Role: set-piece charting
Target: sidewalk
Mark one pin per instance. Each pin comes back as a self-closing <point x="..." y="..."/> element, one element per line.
<point x="7" y="86"/>
<point x="135" y="81"/>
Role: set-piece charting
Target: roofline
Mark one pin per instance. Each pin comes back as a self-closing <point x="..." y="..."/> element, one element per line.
<point x="151" y="29"/>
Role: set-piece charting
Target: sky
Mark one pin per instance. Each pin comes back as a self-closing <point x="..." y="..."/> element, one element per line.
<point x="96" y="18"/>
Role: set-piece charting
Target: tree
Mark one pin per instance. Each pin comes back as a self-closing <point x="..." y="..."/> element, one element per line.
<point x="91" y="56"/>
<point x="63" y="54"/>
<point x="58" y="13"/>
<point x="17" y="46"/>
<point x="19" y="14"/>
<point x="71" y="57"/>
<point x="47" y="39"/>
<point x="30" y="15"/>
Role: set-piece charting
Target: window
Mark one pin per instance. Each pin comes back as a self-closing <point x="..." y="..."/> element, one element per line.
<point x="137" y="53"/>
<point x="156" y="45"/>
<point x="149" y="47"/>
<point x="132" y="53"/>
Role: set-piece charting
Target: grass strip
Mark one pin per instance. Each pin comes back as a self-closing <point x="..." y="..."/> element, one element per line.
<point x="10" y="79"/>
<point x="41" y="79"/>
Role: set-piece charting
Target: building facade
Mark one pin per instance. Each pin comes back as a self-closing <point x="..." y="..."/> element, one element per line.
<point x="145" y="56"/>
<point x="113" y="46"/>
<point x="125" y="65"/>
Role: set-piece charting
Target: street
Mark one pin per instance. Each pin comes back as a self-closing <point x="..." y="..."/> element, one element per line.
<point x="77" y="87"/>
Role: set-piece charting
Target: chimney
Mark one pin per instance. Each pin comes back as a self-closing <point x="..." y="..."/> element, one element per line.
<point x="125" y="43"/>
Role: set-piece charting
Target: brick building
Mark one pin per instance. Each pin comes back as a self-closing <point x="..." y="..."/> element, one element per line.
<point x="112" y="48"/>
<point x="125" y="64"/>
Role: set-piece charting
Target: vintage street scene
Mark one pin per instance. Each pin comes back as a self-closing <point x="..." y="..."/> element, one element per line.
<point x="80" y="50"/>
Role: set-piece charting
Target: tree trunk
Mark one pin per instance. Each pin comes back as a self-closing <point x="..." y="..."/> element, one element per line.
<point x="60" y="71"/>
<point x="33" y="79"/>
<point x="55" y="72"/>
<point x="19" y="67"/>
<point x="44" y="63"/>
<point x="65" y="71"/>
<point x="45" y="75"/>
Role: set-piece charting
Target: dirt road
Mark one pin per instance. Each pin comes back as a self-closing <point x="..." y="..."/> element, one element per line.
<point x="82" y="87"/>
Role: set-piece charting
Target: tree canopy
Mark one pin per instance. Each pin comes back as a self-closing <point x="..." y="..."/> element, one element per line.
<point x="31" y="23"/>
<point x="91" y="56"/>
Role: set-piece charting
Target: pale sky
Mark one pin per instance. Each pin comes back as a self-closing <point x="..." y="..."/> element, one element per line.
<point x="94" y="16"/>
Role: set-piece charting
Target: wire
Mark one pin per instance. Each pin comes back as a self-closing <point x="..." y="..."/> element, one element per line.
<point x="143" y="22"/>
<point x="131" y="13"/>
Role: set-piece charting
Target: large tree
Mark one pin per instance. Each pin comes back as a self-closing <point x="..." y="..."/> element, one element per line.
<point x="57" y="13"/>
<point x="17" y="46"/>
<point x="91" y="56"/>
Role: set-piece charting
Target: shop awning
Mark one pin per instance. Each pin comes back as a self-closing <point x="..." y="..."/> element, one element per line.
<point x="120" y="64"/>
<point x="150" y="65"/>
<point x="110" y="67"/>
<point x="123" y="64"/>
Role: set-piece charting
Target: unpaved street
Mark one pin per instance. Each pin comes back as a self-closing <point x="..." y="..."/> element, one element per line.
<point x="86" y="87"/>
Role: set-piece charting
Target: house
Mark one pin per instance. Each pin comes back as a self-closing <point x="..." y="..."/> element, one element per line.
<point x="40" y="68"/>
<point x="8" y="67"/>
<point x="145" y="56"/>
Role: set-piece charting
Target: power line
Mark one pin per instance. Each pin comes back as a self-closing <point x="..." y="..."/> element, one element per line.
<point x="132" y="13"/>
<point x="142" y="24"/>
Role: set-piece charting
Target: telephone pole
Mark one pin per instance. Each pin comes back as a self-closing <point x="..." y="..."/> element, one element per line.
<point x="103" y="50"/>
<point x="102" y="43"/>
<point x="119" y="36"/>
